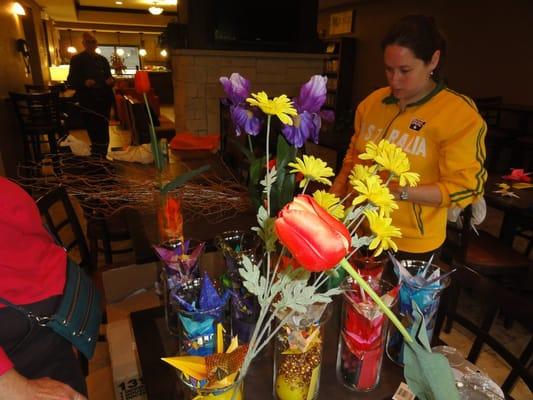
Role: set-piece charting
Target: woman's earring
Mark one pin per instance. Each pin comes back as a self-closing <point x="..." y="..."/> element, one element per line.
<point x="431" y="73"/>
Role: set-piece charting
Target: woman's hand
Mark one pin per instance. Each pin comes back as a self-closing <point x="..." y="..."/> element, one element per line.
<point x="14" y="386"/>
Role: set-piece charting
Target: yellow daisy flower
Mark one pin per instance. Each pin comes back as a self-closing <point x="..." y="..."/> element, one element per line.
<point x="372" y="190"/>
<point x="393" y="159"/>
<point x="313" y="169"/>
<point x="360" y="172"/>
<point x="330" y="203"/>
<point x="279" y="106"/>
<point x="373" y="150"/>
<point x="383" y="232"/>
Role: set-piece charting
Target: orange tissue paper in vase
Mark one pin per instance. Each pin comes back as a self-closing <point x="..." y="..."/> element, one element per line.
<point x="170" y="218"/>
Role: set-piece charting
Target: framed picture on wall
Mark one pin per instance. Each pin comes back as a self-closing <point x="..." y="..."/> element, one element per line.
<point x="341" y="23"/>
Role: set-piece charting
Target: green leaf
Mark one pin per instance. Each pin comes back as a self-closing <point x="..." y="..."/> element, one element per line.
<point x="255" y="170"/>
<point x="266" y="229"/>
<point x="252" y="279"/>
<point x="358" y="242"/>
<point x="183" y="178"/>
<point x="244" y="150"/>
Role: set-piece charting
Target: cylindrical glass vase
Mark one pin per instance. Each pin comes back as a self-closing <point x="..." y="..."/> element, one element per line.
<point x="234" y="245"/>
<point x="368" y="265"/>
<point x="298" y="355"/>
<point x="234" y="391"/>
<point x="199" y="330"/>
<point x="363" y="335"/>
<point x="427" y="299"/>
<point x="180" y="266"/>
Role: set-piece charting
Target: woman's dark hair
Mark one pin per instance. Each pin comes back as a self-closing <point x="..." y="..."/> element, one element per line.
<point x="420" y="34"/>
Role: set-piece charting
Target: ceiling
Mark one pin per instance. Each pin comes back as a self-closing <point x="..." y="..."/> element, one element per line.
<point x="68" y="10"/>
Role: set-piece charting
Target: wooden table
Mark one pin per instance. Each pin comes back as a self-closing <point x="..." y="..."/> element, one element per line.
<point x="143" y="226"/>
<point x="517" y="211"/>
<point x="161" y="381"/>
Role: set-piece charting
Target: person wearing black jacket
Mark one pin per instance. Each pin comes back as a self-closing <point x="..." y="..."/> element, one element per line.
<point x="90" y="76"/>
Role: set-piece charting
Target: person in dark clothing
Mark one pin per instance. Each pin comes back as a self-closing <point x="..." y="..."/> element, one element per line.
<point x="90" y="76"/>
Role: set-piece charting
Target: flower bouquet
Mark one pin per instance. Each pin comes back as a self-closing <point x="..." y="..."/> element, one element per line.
<point x="306" y="238"/>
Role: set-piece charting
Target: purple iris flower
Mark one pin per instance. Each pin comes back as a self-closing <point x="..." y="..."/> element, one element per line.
<point x="245" y="120"/>
<point x="308" y="121"/>
<point x="237" y="89"/>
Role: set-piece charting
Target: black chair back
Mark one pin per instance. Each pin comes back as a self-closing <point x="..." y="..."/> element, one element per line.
<point x="495" y="299"/>
<point x="38" y="115"/>
<point x="489" y="109"/>
<point x="58" y="213"/>
<point x="58" y="88"/>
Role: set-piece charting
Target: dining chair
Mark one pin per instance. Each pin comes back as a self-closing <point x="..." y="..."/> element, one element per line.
<point x="39" y="117"/>
<point x="139" y="123"/>
<point x="482" y="252"/>
<point x="498" y="141"/>
<point x="44" y="88"/>
<point x="494" y="298"/>
<point x="61" y="219"/>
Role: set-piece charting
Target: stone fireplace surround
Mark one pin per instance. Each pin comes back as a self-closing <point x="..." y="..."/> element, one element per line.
<point x="197" y="89"/>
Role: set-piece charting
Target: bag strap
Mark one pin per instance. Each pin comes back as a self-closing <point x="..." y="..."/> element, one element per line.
<point x="42" y="321"/>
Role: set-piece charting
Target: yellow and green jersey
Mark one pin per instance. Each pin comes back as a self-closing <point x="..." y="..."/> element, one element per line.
<point x="444" y="138"/>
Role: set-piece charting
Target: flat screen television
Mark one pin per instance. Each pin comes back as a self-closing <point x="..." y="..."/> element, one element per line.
<point x="273" y="25"/>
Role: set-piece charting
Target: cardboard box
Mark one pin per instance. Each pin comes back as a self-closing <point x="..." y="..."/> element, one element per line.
<point x="120" y="283"/>
<point x="127" y="379"/>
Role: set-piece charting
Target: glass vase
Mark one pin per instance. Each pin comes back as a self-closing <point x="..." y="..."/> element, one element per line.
<point x="368" y="265"/>
<point x="427" y="299"/>
<point x="362" y="335"/>
<point x="198" y="331"/>
<point x="298" y="355"/>
<point x="234" y="391"/>
<point x="176" y="272"/>
<point x="244" y="307"/>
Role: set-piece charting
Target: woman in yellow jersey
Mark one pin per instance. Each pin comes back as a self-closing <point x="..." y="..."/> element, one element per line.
<point x="439" y="129"/>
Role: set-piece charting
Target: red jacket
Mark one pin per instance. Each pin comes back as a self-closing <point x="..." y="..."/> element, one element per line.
<point x="32" y="266"/>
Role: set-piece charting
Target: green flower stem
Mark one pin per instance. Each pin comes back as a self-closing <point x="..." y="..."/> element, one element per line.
<point x="153" y="138"/>
<point x="305" y="187"/>
<point x="268" y="188"/>
<point x="267" y="156"/>
<point x="274" y="332"/>
<point x="386" y="310"/>
<point x="250" y="145"/>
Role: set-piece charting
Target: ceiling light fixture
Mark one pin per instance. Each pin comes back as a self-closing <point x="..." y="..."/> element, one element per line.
<point x="164" y="53"/>
<point x="17" y="9"/>
<point x="142" y="50"/>
<point x="155" y="9"/>
<point x="71" y="49"/>
<point x="118" y="3"/>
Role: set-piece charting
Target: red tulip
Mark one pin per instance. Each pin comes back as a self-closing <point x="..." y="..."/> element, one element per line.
<point x="316" y="240"/>
<point x="142" y="82"/>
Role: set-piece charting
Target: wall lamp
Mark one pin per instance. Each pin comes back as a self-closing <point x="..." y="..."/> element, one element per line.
<point x="17" y="9"/>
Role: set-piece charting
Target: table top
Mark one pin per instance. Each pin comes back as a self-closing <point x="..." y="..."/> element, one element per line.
<point x="523" y="204"/>
<point x="153" y="342"/>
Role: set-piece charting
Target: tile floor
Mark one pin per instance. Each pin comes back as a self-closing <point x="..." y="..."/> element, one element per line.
<point x="100" y="380"/>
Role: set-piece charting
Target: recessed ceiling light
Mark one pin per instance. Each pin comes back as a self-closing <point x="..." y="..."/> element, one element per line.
<point x="119" y="3"/>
